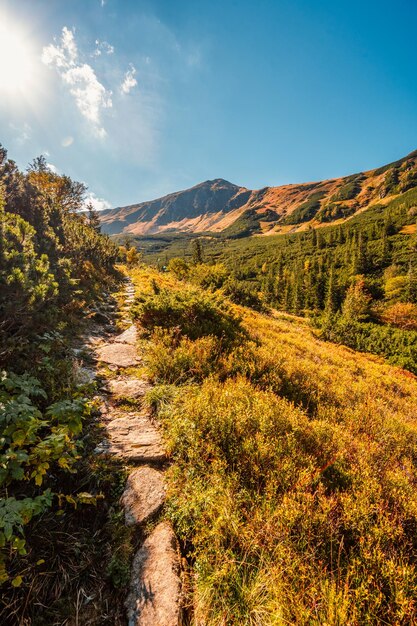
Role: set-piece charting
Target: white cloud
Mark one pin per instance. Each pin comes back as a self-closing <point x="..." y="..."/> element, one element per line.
<point x="91" y="97"/>
<point x="102" y="2"/>
<point x="129" y="80"/>
<point x="52" y="167"/>
<point x="103" y="47"/>
<point x="63" y="55"/>
<point x="67" y="141"/>
<point x="99" y="204"/>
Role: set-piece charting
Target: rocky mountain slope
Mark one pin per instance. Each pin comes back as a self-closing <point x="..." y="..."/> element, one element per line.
<point x="219" y="206"/>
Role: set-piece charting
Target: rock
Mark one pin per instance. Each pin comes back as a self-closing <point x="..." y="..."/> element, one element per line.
<point x="143" y="496"/>
<point x="128" y="387"/>
<point x="155" y="586"/>
<point x="84" y="376"/>
<point x="129" y="336"/>
<point x="134" y="438"/>
<point x="119" y="354"/>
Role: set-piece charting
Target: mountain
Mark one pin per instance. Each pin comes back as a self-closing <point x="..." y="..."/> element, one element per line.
<point x="219" y="206"/>
<point x="197" y="209"/>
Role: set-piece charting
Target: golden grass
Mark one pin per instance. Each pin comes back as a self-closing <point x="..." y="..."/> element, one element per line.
<point x="294" y="479"/>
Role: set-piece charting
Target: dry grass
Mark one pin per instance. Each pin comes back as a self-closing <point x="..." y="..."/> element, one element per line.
<point x="294" y="486"/>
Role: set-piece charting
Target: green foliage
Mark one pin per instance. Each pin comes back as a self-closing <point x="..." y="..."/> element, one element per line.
<point x="52" y="256"/>
<point x="245" y="225"/>
<point x="398" y="346"/>
<point x="291" y="481"/>
<point x="349" y="189"/>
<point x="293" y="271"/>
<point x="306" y="211"/>
<point x="209" y="276"/>
<point x="53" y="262"/>
<point x="243" y="293"/>
<point x="179" y="268"/>
<point x="34" y="442"/>
<point x="357" y="301"/>
<point x="197" y="251"/>
<point x="173" y="359"/>
<point x="334" y="211"/>
<point x="193" y="313"/>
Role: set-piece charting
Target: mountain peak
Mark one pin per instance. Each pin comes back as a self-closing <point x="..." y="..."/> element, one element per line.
<point x="218" y="205"/>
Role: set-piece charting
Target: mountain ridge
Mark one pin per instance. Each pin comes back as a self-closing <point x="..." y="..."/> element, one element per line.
<point x="217" y="205"/>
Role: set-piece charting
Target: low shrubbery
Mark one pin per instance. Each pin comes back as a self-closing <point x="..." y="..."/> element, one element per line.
<point x="292" y="485"/>
<point x="37" y="441"/>
<point x="397" y="345"/>
<point x="54" y="263"/>
<point x="193" y="313"/>
<point x="278" y="509"/>
<point x="174" y="359"/>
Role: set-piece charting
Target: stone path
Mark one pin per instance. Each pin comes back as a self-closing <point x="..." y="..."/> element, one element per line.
<point x="133" y="437"/>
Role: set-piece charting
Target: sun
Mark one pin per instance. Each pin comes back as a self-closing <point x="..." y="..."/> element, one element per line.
<point x="17" y="66"/>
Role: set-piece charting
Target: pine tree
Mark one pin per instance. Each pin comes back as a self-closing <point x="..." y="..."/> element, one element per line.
<point x="197" y="252"/>
<point x="93" y="218"/>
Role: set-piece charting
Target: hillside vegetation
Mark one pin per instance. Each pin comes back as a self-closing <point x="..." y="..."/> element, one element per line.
<point x="357" y="280"/>
<point x="293" y="484"/>
<point x="56" y="497"/>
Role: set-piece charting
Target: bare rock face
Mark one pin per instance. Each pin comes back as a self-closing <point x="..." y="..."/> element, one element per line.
<point x="128" y="387"/>
<point x="118" y="354"/>
<point x="129" y="336"/>
<point x="155" y="586"/>
<point x="143" y="496"/>
<point x="135" y="438"/>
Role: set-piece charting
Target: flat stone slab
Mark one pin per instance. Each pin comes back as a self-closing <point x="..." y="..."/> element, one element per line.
<point x="118" y="354"/>
<point x="155" y="587"/>
<point x="128" y="387"/>
<point x="143" y="496"/>
<point x="135" y="438"/>
<point x="129" y="336"/>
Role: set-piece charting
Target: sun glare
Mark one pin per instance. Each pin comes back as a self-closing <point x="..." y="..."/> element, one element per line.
<point x="17" y="67"/>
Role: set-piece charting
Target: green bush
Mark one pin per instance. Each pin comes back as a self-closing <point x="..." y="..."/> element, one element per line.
<point x="209" y="276"/>
<point x="193" y="313"/>
<point x="242" y="293"/>
<point x="397" y="345"/>
<point x="36" y="440"/>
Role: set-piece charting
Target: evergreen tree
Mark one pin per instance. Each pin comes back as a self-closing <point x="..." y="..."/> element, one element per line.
<point x="197" y="251"/>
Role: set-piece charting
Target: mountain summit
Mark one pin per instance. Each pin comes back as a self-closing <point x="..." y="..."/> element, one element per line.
<point x="196" y="209"/>
<point x="220" y="206"/>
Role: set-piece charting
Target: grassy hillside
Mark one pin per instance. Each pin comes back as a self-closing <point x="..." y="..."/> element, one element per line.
<point x="293" y="478"/>
<point x="372" y="258"/>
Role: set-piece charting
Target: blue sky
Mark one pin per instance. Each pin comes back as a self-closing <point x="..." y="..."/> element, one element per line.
<point x="141" y="98"/>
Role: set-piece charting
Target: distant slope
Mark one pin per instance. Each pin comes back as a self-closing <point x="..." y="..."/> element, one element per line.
<point x="219" y="206"/>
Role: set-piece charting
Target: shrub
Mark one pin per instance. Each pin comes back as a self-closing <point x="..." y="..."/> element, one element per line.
<point x="35" y="442"/>
<point x="244" y="294"/>
<point x="178" y="267"/>
<point x="209" y="276"/>
<point x="280" y="507"/>
<point x="193" y="313"/>
<point x="174" y="359"/>
<point x="402" y="314"/>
